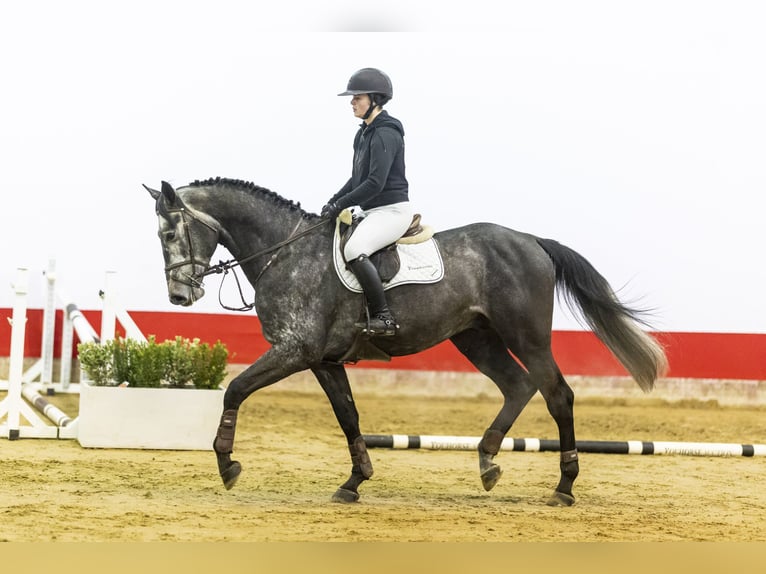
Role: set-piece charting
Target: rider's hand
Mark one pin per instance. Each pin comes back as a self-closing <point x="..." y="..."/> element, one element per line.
<point x="331" y="210"/>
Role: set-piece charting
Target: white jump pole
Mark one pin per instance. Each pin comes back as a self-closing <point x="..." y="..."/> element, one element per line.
<point x="108" y="313"/>
<point x="51" y="411"/>
<point x="80" y="324"/>
<point x="67" y="340"/>
<point x="49" y="327"/>
<point x="43" y="367"/>
<point x="113" y="312"/>
<point x="73" y="322"/>
<point x="16" y="367"/>
<point x="131" y="329"/>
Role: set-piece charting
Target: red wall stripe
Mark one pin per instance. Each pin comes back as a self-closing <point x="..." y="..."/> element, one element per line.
<point x="691" y="355"/>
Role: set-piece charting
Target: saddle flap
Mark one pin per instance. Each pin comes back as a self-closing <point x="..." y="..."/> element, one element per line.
<point x="418" y="263"/>
<point x="387" y="262"/>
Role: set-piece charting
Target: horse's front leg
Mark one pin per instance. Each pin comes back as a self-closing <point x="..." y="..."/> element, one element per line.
<point x="334" y="382"/>
<point x="271" y="367"/>
<point x="223" y="445"/>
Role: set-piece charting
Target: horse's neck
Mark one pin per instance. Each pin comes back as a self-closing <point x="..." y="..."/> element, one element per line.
<point x="251" y="223"/>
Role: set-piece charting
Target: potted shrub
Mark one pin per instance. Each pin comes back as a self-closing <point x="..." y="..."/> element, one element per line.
<point x="153" y="395"/>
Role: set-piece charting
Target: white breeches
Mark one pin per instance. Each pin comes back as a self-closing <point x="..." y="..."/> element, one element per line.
<point x="382" y="226"/>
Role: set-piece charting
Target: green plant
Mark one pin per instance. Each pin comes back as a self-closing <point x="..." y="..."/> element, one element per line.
<point x="179" y="367"/>
<point x="138" y="364"/>
<point x="148" y="364"/>
<point x="176" y="363"/>
<point x="97" y="361"/>
<point x="209" y="364"/>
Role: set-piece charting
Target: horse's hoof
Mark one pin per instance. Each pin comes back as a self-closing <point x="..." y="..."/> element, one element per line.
<point x="490" y="477"/>
<point x="345" y="496"/>
<point x="561" y="499"/>
<point x="231" y="474"/>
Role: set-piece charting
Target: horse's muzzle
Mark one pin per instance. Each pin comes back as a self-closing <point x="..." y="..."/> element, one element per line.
<point x="184" y="295"/>
<point x="181" y="300"/>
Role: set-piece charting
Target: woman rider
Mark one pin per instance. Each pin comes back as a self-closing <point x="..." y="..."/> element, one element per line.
<point x="378" y="185"/>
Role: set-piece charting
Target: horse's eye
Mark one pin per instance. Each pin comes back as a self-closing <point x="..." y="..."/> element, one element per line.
<point x="170" y="235"/>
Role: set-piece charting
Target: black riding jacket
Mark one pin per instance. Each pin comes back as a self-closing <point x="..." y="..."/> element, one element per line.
<point x="377" y="177"/>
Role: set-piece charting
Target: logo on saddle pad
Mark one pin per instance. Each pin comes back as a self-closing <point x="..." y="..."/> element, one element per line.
<point x="418" y="262"/>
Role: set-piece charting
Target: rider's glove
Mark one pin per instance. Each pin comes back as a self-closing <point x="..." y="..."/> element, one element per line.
<point x="331" y="210"/>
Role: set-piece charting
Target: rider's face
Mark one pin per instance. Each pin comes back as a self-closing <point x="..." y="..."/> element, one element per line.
<point x="360" y="103"/>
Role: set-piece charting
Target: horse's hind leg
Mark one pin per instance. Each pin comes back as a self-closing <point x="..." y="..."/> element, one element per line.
<point x="559" y="399"/>
<point x="486" y="350"/>
<point x="334" y="382"/>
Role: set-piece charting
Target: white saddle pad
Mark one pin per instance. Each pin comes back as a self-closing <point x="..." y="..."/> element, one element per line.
<point x="420" y="263"/>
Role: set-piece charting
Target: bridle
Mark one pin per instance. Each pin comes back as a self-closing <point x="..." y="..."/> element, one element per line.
<point x="195" y="280"/>
<point x="190" y="280"/>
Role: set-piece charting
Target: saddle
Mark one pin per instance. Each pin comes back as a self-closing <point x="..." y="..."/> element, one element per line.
<point x="385" y="260"/>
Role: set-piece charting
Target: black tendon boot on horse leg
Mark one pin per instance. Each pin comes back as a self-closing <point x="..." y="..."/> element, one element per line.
<point x="223" y="445"/>
<point x="489" y="446"/>
<point x="381" y="321"/>
<point x="570" y="468"/>
<point x="361" y="471"/>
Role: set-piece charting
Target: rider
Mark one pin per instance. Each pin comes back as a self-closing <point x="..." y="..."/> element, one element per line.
<point x="377" y="185"/>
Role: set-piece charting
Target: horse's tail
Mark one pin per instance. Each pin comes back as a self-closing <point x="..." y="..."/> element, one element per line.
<point x="614" y="323"/>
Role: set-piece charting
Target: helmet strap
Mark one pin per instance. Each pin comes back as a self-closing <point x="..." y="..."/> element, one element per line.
<point x="373" y="105"/>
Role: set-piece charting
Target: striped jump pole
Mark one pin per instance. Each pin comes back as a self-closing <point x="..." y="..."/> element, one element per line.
<point x="51" y="411"/>
<point x="439" y="442"/>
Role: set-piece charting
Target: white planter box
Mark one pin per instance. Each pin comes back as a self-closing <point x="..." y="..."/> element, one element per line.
<point x="124" y="417"/>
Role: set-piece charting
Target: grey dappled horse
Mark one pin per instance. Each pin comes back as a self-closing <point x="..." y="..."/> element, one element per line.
<point x="497" y="295"/>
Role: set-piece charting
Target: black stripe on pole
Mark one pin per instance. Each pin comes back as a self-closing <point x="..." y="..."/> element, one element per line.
<point x="592" y="446"/>
<point x="379" y="440"/>
<point x="748" y="450"/>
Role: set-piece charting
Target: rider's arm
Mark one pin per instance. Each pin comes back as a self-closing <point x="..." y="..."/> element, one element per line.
<point x="385" y="144"/>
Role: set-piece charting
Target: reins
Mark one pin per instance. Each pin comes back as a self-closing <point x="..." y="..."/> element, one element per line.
<point x="230" y="265"/>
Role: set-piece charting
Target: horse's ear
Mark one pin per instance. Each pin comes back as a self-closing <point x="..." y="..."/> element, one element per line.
<point x="153" y="192"/>
<point x="169" y="193"/>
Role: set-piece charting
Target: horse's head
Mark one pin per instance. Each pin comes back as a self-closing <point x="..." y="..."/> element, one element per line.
<point x="188" y="239"/>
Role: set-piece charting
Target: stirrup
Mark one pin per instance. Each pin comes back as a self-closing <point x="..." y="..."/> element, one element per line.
<point x="379" y="325"/>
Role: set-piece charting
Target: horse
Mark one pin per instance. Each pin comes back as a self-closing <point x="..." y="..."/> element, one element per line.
<point x="495" y="304"/>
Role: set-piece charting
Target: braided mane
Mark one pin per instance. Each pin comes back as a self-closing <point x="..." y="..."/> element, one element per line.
<point x="252" y="188"/>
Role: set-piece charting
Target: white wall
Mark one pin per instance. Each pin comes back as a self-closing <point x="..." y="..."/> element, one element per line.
<point x="633" y="132"/>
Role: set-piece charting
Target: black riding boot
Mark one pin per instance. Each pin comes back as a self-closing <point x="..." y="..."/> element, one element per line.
<point x="382" y="322"/>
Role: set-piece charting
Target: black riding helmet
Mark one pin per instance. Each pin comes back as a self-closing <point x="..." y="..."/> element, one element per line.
<point x="373" y="82"/>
